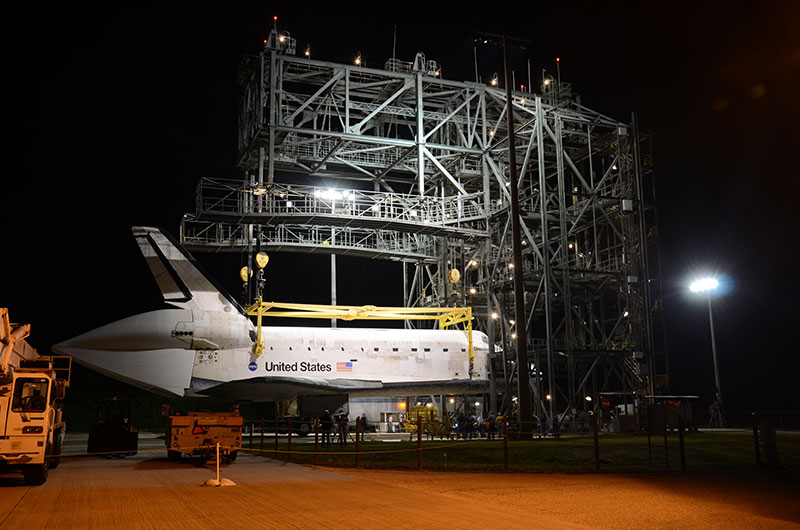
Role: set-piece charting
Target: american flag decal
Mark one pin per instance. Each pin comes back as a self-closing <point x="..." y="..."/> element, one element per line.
<point x="344" y="366"/>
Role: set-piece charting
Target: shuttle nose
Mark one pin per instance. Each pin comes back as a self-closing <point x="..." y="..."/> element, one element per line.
<point x="139" y="350"/>
<point x="148" y="331"/>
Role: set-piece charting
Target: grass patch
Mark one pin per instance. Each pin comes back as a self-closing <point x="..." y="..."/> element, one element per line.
<point x="704" y="451"/>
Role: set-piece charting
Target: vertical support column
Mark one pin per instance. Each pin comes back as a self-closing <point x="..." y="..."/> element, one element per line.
<point x="718" y="396"/>
<point x="548" y="294"/>
<point x="347" y="100"/>
<point x="419" y="279"/>
<point x="274" y="116"/>
<point x="523" y="366"/>
<point x="420" y="136"/>
<point x="565" y="255"/>
<point x="504" y="339"/>
<point x="333" y="285"/>
<point x="645" y="281"/>
<point x="487" y="253"/>
<point x="405" y="291"/>
<point x="490" y="327"/>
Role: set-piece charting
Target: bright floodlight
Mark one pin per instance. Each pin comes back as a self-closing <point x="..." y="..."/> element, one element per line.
<point x="704" y="284"/>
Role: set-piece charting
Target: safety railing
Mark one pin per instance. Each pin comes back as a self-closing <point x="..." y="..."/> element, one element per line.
<point x="583" y="443"/>
<point x="238" y="197"/>
<point x="578" y="443"/>
<point x="351" y="240"/>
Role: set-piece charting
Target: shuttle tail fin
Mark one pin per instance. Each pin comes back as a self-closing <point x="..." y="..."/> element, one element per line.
<point x="178" y="275"/>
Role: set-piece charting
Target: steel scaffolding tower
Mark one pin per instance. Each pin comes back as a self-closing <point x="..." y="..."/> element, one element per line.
<point x="420" y="171"/>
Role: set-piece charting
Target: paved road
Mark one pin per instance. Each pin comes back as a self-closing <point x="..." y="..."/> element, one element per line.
<point x="148" y="491"/>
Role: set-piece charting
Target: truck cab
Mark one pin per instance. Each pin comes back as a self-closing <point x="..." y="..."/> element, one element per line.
<point x="31" y="430"/>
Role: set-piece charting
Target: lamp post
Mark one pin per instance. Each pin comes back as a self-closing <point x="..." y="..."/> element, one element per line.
<point x="707" y="286"/>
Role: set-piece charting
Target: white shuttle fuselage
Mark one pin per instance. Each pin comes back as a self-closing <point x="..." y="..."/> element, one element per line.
<point x="205" y="347"/>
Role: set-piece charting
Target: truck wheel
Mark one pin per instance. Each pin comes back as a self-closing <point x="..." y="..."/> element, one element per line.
<point x="283" y="427"/>
<point x="304" y="429"/>
<point x="35" y="474"/>
<point x="174" y="456"/>
<point x="232" y="455"/>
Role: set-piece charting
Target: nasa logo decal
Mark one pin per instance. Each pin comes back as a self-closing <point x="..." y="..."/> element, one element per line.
<point x="252" y="366"/>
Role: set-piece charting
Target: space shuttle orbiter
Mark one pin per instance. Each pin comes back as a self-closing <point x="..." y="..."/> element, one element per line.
<point x="204" y="347"/>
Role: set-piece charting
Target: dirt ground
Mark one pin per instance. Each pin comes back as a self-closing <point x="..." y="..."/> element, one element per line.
<point x="148" y="491"/>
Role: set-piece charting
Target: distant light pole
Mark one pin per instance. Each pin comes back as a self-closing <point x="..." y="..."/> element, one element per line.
<point x="707" y="286"/>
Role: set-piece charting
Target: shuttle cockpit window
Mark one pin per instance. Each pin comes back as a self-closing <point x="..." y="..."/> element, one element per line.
<point x="30" y="395"/>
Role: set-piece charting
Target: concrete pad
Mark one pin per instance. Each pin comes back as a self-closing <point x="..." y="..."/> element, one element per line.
<point x="149" y="491"/>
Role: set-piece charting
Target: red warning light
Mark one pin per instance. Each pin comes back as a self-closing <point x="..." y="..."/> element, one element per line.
<point x="275" y="18"/>
<point x="558" y="59"/>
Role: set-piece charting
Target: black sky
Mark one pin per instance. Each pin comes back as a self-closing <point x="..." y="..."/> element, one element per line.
<point x="120" y="111"/>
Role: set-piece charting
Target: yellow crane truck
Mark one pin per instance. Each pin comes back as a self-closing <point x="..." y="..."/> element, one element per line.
<point x="31" y="387"/>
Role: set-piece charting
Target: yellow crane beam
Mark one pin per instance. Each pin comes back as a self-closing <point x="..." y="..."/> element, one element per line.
<point x="447" y="316"/>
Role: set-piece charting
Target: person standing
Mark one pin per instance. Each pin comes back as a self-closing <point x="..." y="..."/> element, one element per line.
<point x="363" y="425"/>
<point x="343" y="428"/>
<point x="326" y="423"/>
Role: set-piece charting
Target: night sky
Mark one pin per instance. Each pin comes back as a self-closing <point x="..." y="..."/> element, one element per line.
<point x="119" y="112"/>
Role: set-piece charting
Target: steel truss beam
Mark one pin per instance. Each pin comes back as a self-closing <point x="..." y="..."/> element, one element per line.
<point x="401" y="164"/>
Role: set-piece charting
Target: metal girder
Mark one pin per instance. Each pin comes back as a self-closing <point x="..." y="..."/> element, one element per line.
<point x="439" y="151"/>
